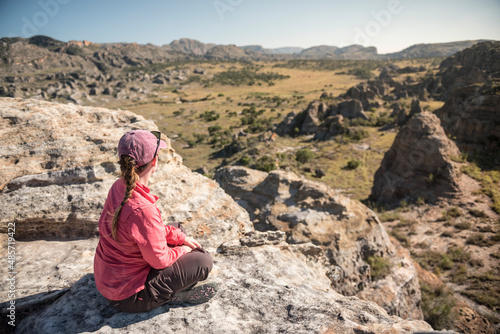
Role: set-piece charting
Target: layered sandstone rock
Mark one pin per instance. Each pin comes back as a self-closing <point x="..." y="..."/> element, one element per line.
<point x="350" y="233"/>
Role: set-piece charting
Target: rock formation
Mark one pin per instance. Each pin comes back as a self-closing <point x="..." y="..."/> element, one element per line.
<point x="418" y="163"/>
<point x="266" y="285"/>
<point x="51" y="148"/>
<point x="350" y="233"/>
<point x="471" y="114"/>
<point x="475" y="65"/>
<point x="321" y="115"/>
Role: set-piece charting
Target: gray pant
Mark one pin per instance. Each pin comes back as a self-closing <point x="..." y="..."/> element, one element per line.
<point x="162" y="284"/>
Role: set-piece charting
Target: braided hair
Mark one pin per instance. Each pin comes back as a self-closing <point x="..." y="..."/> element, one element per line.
<point x="130" y="172"/>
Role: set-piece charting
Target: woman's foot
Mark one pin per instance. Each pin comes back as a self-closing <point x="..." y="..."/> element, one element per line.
<point x="197" y="295"/>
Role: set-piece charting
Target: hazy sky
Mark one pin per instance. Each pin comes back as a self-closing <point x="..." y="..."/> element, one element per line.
<point x="390" y="25"/>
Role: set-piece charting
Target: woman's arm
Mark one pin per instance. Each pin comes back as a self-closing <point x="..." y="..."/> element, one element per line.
<point x="150" y="234"/>
<point x="174" y="235"/>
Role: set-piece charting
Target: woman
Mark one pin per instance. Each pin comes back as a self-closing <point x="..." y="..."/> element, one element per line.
<point x="140" y="263"/>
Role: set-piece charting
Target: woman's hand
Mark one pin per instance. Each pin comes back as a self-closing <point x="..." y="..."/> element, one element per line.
<point x="187" y="248"/>
<point x="191" y="243"/>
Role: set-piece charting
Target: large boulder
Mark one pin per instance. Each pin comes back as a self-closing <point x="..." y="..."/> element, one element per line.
<point x="418" y="164"/>
<point x="348" y="232"/>
<point x="350" y="109"/>
<point x="314" y="113"/>
<point x="331" y="127"/>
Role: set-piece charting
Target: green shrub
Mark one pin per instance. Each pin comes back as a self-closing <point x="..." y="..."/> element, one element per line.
<point x="476" y="239"/>
<point x="442" y="261"/>
<point x="210" y="116"/>
<point x="447" y="234"/>
<point x="353" y="164"/>
<point x="437" y="304"/>
<point x="446" y="262"/>
<point x="400" y="237"/>
<point x="389" y="216"/>
<point x="463" y="225"/>
<point x="213" y="129"/>
<point x="454" y="212"/>
<point x="460" y="276"/>
<point x="356" y="134"/>
<point x="248" y="75"/>
<point x="458" y="254"/>
<point x="245" y="160"/>
<point x="488" y="298"/>
<point x="361" y="73"/>
<point x="266" y="164"/>
<point x="478" y="213"/>
<point x="200" y="138"/>
<point x="304" y="155"/>
<point x="380" y="267"/>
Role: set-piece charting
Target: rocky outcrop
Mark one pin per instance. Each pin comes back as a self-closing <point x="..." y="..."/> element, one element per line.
<point x="313" y="115"/>
<point x="319" y="115"/>
<point x="349" y="109"/>
<point x="331" y="127"/>
<point x="264" y="283"/>
<point x="418" y="164"/>
<point x="348" y="232"/>
<point x="471" y="114"/>
<point x="476" y="65"/>
<point x="67" y="167"/>
<point x="472" y="117"/>
<point x="265" y="286"/>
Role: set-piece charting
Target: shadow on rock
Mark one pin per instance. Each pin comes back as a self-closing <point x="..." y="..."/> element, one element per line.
<point x="86" y="311"/>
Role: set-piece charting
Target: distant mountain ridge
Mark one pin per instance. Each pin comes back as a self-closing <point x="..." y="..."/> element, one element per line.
<point x="432" y="50"/>
<point x="185" y="48"/>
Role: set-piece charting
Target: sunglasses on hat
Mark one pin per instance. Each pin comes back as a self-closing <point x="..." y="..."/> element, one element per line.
<point x="157" y="134"/>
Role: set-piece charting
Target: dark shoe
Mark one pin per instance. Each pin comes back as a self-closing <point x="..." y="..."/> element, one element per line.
<point x="190" y="287"/>
<point x="197" y="295"/>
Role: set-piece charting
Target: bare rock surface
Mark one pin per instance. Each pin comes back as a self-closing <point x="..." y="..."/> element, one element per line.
<point x="349" y="232"/>
<point x="44" y="266"/>
<point x="265" y="286"/>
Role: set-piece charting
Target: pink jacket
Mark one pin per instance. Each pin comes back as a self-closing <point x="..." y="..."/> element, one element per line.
<point x="121" y="267"/>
